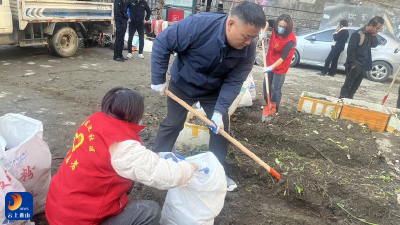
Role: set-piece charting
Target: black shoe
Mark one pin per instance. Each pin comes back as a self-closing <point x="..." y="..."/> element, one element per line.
<point x="332" y="75"/>
<point x="119" y="59"/>
<point x="321" y="74"/>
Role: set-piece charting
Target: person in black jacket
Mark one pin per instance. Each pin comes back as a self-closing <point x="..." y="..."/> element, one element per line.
<point x="137" y="8"/>
<point x="120" y="17"/>
<point x="359" y="58"/>
<point x="339" y="40"/>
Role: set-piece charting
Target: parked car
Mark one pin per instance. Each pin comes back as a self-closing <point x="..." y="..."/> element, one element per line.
<point x="313" y="48"/>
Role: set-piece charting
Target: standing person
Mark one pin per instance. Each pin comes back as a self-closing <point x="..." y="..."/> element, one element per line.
<point x="121" y="18"/>
<point x="106" y="157"/>
<point x="220" y="5"/>
<point x="137" y="21"/>
<point x="339" y="40"/>
<point x="280" y="52"/>
<point x="216" y="53"/>
<point x="359" y="57"/>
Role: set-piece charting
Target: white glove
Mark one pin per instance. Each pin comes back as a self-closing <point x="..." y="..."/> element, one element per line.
<point x="268" y="69"/>
<point x="159" y="87"/>
<point x="218" y="122"/>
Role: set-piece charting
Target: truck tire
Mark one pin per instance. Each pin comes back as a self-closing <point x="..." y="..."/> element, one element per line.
<point x="64" y="42"/>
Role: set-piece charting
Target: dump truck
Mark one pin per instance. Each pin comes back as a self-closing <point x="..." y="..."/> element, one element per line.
<point x="57" y="24"/>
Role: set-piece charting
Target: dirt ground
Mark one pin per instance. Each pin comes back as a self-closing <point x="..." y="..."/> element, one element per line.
<point x="328" y="166"/>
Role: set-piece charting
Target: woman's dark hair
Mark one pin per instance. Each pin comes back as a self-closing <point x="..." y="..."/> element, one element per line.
<point x="123" y="104"/>
<point x="344" y="23"/>
<point x="289" y="26"/>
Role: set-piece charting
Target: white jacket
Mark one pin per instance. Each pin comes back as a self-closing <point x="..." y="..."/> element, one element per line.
<point x="133" y="161"/>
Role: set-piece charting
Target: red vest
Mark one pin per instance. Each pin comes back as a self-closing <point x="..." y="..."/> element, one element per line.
<point x="86" y="188"/>
<point x="276" y="45"/>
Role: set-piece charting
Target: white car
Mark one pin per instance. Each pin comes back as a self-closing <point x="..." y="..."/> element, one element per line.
<point x="313" y="48"/>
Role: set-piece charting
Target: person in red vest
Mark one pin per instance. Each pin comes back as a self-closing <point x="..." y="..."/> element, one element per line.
<point x="106" y="157"/>
<point x="280" y="52"/>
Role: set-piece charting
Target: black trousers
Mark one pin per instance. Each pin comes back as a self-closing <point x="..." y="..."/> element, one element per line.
<point x="332" y="60"/>
<point x="169" y="129"/>
<point x="133" y="26"/>
<point x="208" y="2"/>
<point x="352" y="82"/>
<point x="119" y="38"/>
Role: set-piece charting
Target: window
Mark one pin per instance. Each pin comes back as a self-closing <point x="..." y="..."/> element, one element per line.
<point x="381" y="40"/>
<point x="326" y="36"/>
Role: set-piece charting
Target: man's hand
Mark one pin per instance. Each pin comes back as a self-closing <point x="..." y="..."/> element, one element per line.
<point x="159" y="87"/>
<point x="218" y="122"/>
<point x="144" y="21"/>
<point x="268" y="69"/>
<point x="175" y="157"/>
<point x="129" y="20"/>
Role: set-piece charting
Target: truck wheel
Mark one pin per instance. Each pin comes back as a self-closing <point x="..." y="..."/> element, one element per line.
<point x="64" y="42"/>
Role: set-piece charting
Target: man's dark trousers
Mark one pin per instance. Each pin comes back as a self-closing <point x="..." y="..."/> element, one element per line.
<point x="133" y="26"/>
<point x="333" y="58"/>
<point x="119" y="38"/>
<point x="352" y="82"/>
<point x="173" y="124"/>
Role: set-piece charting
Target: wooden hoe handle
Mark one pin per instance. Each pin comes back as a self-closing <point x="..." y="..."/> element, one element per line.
<point x="226" y="135"/>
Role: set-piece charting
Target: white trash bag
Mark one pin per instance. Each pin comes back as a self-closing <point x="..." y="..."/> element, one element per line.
<point x="7" y="184"/>
<point x="27" y="156"/>
<point x="3" y="144"/>
<point x="201" y="200"/>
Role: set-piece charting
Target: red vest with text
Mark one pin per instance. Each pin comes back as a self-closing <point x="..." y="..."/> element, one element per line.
<point x="276" y="45"/>
<point x="86" y="188"/>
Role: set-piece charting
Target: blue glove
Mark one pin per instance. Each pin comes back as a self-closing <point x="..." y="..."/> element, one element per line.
<point x="268" y="69"/>
<point x="173" y="156"/>
<point x="261" y="35"/>
<point x="202" y="166"/>
<point x="218" y="122"/>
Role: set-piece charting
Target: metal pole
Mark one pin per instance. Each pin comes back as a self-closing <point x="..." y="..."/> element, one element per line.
<point x="194" y="3"/>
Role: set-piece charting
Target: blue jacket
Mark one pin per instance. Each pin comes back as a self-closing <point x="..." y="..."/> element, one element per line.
<point x="203" y="65"/>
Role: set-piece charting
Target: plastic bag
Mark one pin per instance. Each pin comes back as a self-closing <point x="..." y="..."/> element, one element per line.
<point x="201" y="200"/>
<point x="243" y="90"/>
<point x="7" y="184"/>
<point x="252" y="88"/>
<point x="3" y="145"/>
<point x="28" y="157"/>
<point x="246" y="99"/>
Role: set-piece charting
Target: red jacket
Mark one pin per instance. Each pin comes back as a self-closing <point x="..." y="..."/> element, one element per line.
<point x="86" y="188"/>
<point x="276" y="45"/>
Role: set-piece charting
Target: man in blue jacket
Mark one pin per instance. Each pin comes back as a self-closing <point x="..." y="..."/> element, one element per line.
<point x="216" y="52"/>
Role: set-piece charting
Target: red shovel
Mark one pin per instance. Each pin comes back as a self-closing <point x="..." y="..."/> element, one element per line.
<point x="270" y="108"/>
